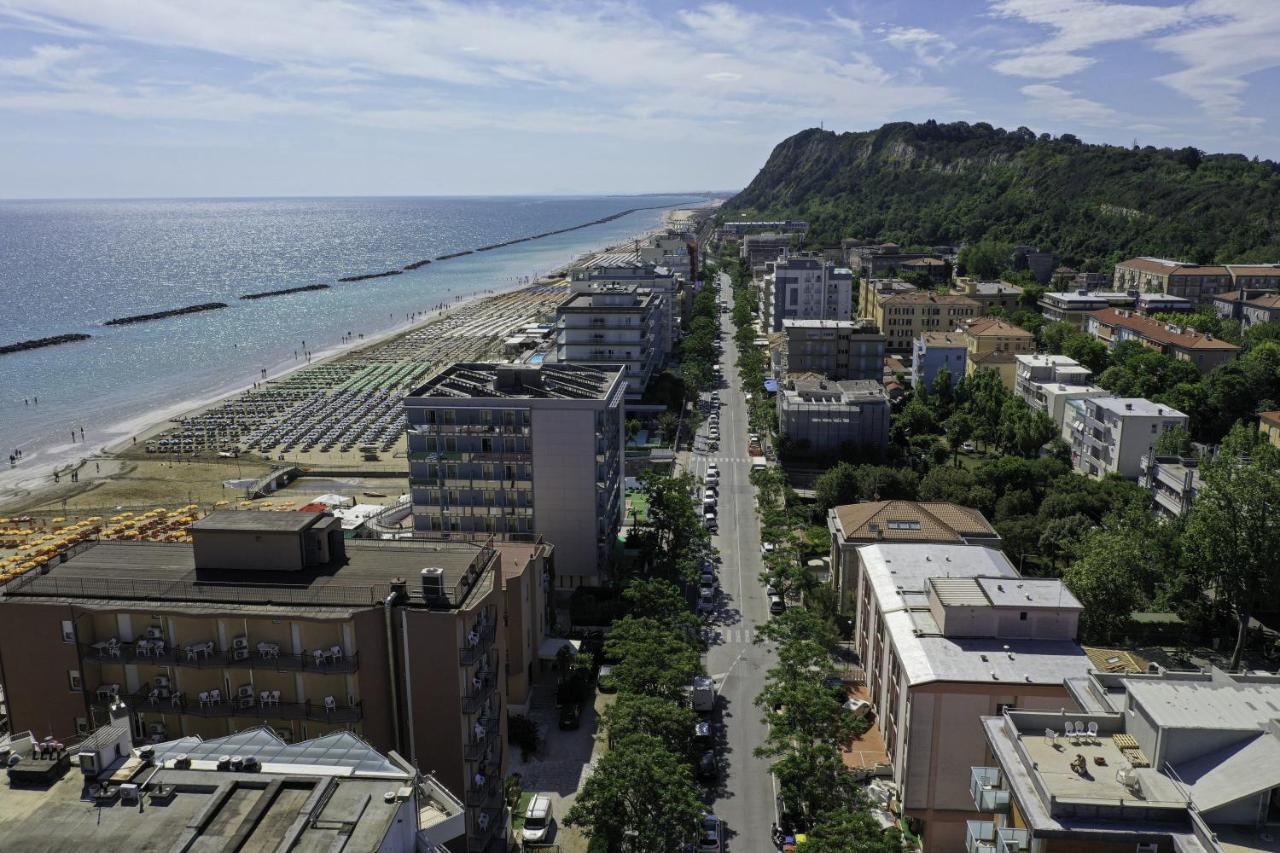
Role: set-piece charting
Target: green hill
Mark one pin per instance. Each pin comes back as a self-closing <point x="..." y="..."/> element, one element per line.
<point x="930" y="183"/>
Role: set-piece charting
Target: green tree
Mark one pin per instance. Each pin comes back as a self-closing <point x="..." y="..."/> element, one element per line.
<point x="959" y="428"/>
<point x="652" y="658"/>
<point x="661" y="600"/>
<point x="836" y="486"/>
<point x="1106" y="579"/>
<point x="1174" y="442"/>
<point x="1233" y="532"/>
<point x="641" y="797"/>
<point x="850" y="828"/>
<point x="670" y="722"/>
<point x="673" y="539"/>
<point x="1087" y="350"/>
<point x="985" y="259"/>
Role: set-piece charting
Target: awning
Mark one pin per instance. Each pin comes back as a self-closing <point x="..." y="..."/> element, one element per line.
<point x="551" y="647"/>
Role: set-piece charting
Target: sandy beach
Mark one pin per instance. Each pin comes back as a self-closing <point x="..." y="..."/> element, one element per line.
<point x="470" y="328"/>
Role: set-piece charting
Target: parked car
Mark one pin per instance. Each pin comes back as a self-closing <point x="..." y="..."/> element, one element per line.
<point x="858" y="707"/>
<point x="709" y="493"/>
<point x="713" y="478"/>
<point x="712" y="840"/>
<point x="709" y="519"/>
<point x="766" y="547"/>
<point x="776" y="605"/>
<point x="703" y="737"/>
<point x="570" y="716"/>
<point x="770" y="590"/>
<point x="537" y="819"/>
<point x="708" y="767"/>
<point x="605" y="682"/>
<point x="707" y="589"/>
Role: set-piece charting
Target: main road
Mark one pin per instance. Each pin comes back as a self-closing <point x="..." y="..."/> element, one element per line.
<point x="745" y="797"/>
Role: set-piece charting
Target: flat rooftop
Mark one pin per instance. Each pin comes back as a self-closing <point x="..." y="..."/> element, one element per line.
<point x="559" y="380"/>
<point x="1137" y="406"/>
<point x="257" y="522"/>
<point x="166" y="572"/>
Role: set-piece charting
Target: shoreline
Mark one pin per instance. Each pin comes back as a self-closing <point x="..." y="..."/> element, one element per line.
<point x="28" y="484"/>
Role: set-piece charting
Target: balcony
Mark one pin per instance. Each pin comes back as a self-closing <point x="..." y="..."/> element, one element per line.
<point x="247" y="705"/>
<point x="474" y="700"/>
<point x="984" y="785"/>
<point x="484" y="795"/>
<point x="488" y="822"/>
<point x="478" y="747"/>
<point x="983" y="836"/>
<point x="199" y="656"/>
<point x="476" y="644"/>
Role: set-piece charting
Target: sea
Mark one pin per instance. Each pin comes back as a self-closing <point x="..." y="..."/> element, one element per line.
<point x="68" y="266"/>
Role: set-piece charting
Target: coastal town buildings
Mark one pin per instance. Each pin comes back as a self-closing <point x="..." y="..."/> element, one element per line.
<point x="669" y="251"/>
<point x="836" y="349"/>
<point x="805" y="287"/>
<point x="872" y="291"/>
<point x="1173" y="481"/>
<point x="1113" y="325"/>
<point x="759" y="248"/>
<point x="1165" y="760"/>
<point x="514" y="450"/>
<point x="247" y="791"/>
<point x="1269" y="425"/>
<point x="821" y="415"/>
<point x="991" y="344"/>
<point x="1197" y="282"/>
<point x="1248" y="307"/>
<point x="989" y="294"/>
<point x="615" y="324"/>
<point x="275" y="619"/>
<point x="1110" y="435"/>
<point x="932" y="352"/>
<point x="656" y="279"/>
<point x="948" y="632"/>
<point x="742" y="227"/>
<point x="1047" y="382"/>
<point x="1075" y="306"/>
<point x="905" y="316"/>
<point x="883" y="260"/>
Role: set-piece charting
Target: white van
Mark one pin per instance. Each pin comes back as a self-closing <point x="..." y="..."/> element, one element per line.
<point x="537" y="819"/>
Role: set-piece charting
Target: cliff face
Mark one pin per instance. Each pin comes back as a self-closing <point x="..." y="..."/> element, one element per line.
<point x="947" y="183"/>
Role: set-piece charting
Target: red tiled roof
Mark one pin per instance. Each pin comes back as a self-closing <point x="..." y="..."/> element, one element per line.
<point x="929" y="296"/>
<point x="995" y="327"/>
<point x="1171" y="267"/>
<point x="1154" y="330"/>
<point x="1270" y="418"/>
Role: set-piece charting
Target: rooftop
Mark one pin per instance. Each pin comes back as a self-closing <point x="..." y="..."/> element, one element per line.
<point x="1270" y="418"/>
<point x="849" y="391"/>
<point x="1136" y="406"/>
<point x="1038" y="360"/>
<point x="560" y="380"/>
<point x="920" y="297"/>
<point x="912" y="521"/>
<point x="1163" y="333"/>
<point x="165" y="572"/>
<point x="868" y="326"/>
<point x="987" y="327"/>
<point x="258" y="522"/>
<point x="318" y="795"/>
<point x="943" y="340"/>
<point x="627" y="297"/>
<point x="1164" y="266"/>
<point x="1090" y="297"/>
<point x="1211" y="705"/>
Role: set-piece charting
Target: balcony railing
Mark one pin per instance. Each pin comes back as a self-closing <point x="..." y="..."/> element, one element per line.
<point x="480" y="796"/>
<point x="473" y="651"/>
<point x="1012" y="840"/>
<point x="244" y="658"/>
<point x="477" y="747"/>
<point x="983" y="836"/>
<point x="486" y="824"/>
<point x="245" y="706"/>
<point x="984" y="785"/>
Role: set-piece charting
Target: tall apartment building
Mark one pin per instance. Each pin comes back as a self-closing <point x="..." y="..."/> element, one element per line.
<point x="933" y="352"/>
<point x="274" y="619"/>
<point x="992" y="344"/>
<point x="1113" y="325"/>
<point x="513" y="449"/>
<point x="905" y="316"/>
<point x="1047" y="382"/>
<point x="615" y="324"/>
<point x="334" y="792"/>
<point x="756" y="249"/>
<point x="820" y="415"/>
<point x="949" y="633"/>
<point x="1165" y="761"/>
<point x="1110" y="435"/>
<point x="805" y="287"/>
<point x="836" y="349"/>
<point x="883" y="260"/>
<point x="601" y="273"/>
<point x="670" y="251"/>
<point x="741" y="227"/>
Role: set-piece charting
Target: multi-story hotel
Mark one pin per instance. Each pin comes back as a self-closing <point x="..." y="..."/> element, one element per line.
<point x="836" y="349"/>
<point x="903" y="317"/>
<point x="805" y="287"/>
<point x="1111" y="435"/>
<point x="274" y="619"/>
<point x="1047" y="382"/>
<point x="615" y="324"/>
<point x="518" y="449"/>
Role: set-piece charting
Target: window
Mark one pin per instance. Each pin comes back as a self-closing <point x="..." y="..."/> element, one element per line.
<point x="904" y="525"/>
<point x="1022" y="616"/>
<point x="73" y="679"/>
<point x="68" y="631"/>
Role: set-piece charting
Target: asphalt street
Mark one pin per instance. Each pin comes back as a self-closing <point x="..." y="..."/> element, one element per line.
<point x="745" y="798"/>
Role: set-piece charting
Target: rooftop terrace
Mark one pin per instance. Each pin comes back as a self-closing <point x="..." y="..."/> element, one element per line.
<point x="479" y="380"/>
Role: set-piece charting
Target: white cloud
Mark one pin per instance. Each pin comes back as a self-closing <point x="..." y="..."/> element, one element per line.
<point x="928" y="47"/>
<point x="43" y="61"/>
<point x="1059" y="103"/>
<point x="513" y="62"/>
<point x="1077" y="25"/>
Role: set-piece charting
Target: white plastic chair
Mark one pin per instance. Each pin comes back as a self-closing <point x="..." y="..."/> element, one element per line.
<point x="330" y="704"/>
<point x="204" y="698"/>
<point x="215" y="696"/>
<point x="1073" y="734"/>
<point x="319" y="656"/>
<point x="1051" y="737"/>
<point x="335" y="652"/>
<point x="1093" y="733"/>
<point x="275" y="697"/>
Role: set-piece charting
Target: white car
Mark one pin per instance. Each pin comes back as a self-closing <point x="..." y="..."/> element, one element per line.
<point x="766" y="547"/>
<point x="712" y="840"/>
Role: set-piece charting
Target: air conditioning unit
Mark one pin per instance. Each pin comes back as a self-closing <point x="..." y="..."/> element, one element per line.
<point x="433" y="584"/>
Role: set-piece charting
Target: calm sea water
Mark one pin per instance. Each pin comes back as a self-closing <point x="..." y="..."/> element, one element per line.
<point x="66" y="266"/>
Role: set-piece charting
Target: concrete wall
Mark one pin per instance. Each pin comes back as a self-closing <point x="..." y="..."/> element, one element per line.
<point x="245" y="550"/>
<point x="564" y="493"/>
<point x="35" y="662"/>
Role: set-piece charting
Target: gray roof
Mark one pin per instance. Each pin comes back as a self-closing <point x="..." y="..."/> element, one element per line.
<point x="1206" y="704"/>
<point x="1243" y="769"/>
<point x="1139" y="406"/>
<point x="341" y="751"/>
<point x="485" y="380"/>
<point x="1029" y="592"/>
<point x="254" y="521"/>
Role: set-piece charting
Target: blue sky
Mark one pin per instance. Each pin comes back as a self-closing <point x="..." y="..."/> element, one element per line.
<point x="111" y="98"/>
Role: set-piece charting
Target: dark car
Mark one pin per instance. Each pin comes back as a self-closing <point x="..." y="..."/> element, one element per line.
<point x="708" y="767"/>
<point x="570" y="717"/>
<point x="703" y="736"/>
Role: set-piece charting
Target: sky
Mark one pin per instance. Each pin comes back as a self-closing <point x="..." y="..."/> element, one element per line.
<point x="194" y="98"/>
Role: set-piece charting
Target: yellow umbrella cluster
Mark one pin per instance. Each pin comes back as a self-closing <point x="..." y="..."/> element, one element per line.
<point x="33" y="547"/>
<point x="156" y="525"/>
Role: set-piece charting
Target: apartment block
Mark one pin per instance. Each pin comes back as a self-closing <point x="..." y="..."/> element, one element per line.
<point x="992" y="344"/>
<point x="1173" y="482"/>
<point x="884" y="260"/>
<point x="743" y="227"/>
<point x="274" y="619"/>
<point x="906" y="316"/>
<point x="756" y="249"/>
<point x="836" y="349"/>
<point x="1110" y="435"/>
<point x="603" y="273"/>
<point x="1047" y="382"/>
<point x="871" y="292"/>
<point x="870" y="522"/>
<point x="1157" y="763"/>
<point x="247" y="791"/>
<point x="513" y="450"/>
<point x="989" y="294"/>
<point x="669" y="251"/>
<point x="615" y="324"/>
<point x="948" y="634"/>
<point x="1249" y="307"/>
<point x="932" y="352"/>
<point x="822" y="415"/>
<point x="805" y="287"/>
<point x="1113" y="325"/>
<point x="1191" y="281"/>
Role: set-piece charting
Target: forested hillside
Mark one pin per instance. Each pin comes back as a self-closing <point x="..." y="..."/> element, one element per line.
<point x="930" y="183"/>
